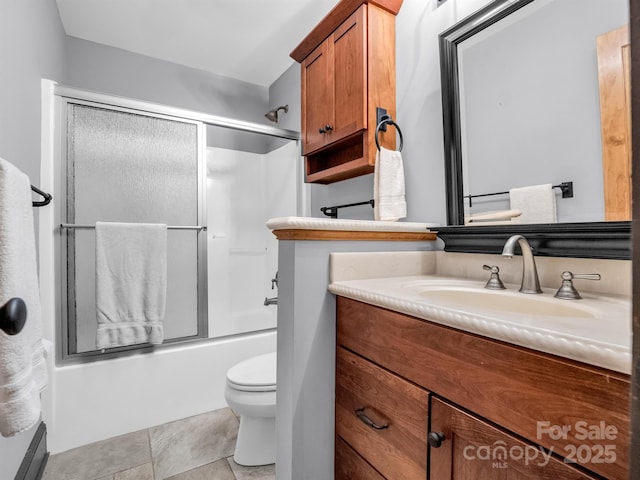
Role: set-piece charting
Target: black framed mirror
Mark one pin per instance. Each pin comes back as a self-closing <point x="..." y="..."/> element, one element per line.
<point x="569" y="237"/>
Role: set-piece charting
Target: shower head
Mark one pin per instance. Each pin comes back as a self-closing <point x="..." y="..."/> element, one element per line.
<point x="272" y="115"/>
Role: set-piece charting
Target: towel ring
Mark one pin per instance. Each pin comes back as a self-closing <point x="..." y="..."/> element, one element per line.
<point x="388" y="121"/>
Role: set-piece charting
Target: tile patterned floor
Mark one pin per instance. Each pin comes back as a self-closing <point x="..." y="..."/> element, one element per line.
<point x="196" y="448"/>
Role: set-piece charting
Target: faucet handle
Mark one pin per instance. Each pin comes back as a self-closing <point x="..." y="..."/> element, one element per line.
<point x="494" y="282"/>
<point x="567" y="291"/>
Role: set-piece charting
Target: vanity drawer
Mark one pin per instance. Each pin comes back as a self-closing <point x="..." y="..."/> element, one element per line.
<point x="532" y="394"/>
<point x="382" y="416"/>
<point x="351" y="466"/>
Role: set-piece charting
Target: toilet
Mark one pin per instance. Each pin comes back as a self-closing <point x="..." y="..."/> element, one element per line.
<point x="251" y="393"/>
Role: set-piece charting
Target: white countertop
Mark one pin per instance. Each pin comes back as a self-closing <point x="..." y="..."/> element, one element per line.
<point x="315" y="223"/>
<point x="601" y="337"/>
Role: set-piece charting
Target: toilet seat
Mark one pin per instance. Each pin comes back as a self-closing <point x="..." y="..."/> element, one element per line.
<point x="256" y="374"/>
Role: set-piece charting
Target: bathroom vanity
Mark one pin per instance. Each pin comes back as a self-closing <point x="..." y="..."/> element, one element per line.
<point x="477" y="373"/>
<point x="478" y="390"/>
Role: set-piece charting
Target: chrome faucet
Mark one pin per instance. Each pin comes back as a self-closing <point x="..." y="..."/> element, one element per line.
<point x="530" y="282"/>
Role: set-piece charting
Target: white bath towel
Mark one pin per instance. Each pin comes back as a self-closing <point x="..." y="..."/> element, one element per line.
<point x="131" y="283"/>
<point x="537" y="203"/>
<point x="388" y="186"/>
<point x="23" y="369"/>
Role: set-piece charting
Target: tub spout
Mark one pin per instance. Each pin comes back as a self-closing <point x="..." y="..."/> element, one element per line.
<point x="270" y="301"/>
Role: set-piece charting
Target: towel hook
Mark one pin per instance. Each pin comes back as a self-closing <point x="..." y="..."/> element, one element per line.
<point x="41" y="203"/>
<point x="13" y="316"/>
<point x="387" y="120"/>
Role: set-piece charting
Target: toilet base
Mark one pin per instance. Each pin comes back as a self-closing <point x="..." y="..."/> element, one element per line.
<point x="256" y="444"/>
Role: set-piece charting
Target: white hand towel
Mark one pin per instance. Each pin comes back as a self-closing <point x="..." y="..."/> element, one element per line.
<point x="131" y="283"/>
<point x="388" y="186"/>
<point x="537" y="203"/>
<point x="23" y="369"/>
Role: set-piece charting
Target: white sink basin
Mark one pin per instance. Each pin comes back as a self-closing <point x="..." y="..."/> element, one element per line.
<point x="503" y="301"/>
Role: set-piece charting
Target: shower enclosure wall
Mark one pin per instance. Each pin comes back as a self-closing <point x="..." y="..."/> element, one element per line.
<point x="244" y="190"/>
<point x="216" y="180"/>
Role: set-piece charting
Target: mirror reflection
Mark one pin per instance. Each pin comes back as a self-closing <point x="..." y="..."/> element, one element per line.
<point x="544" y="119"/>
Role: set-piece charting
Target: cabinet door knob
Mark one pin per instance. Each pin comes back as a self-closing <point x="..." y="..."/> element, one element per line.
<point x="435" y="439"/>
<point x="367" y="421"/>
<point x="328" y="128"/>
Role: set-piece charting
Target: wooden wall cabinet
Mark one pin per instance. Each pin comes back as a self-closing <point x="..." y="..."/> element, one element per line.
<point x="348" y="69"/>
<point x="334" y="75"/>
<point x="486" y="408"/>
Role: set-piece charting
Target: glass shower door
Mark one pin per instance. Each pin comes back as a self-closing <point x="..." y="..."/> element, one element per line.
<point x="128" y="166"/>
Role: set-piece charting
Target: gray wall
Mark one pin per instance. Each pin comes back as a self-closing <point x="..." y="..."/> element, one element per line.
<point x="105" y="69"/>
<point x="31" y="47"/>
<point x="419" y="114"/>
<point x="286" y="91"/>
<point x="100" y="68"/>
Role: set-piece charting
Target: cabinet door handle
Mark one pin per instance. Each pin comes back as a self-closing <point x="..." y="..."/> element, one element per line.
<point x="435" y="439"/>
<point x="322" y="130"/>
<point x="367" y="421"/>
<point x="328" y="128"/>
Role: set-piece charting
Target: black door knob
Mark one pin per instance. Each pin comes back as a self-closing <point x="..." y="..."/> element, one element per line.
<point x="13" y="316"/>
<point x="435" y="439"/>
<point x="328" y="128"/>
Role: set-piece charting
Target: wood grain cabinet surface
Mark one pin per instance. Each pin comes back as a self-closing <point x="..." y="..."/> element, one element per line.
<point x="334" y="80"/>
<point x="474" y="449"/>
<point x="347" y="70"/>
<point x="494" y="410"/>
<point x="382" y="416"/>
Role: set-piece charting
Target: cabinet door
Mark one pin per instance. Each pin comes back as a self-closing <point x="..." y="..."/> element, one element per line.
<point x="382" y="417"/>
<point x="472" y="449"/>
<point x="348" y="47"/>
<point x="317" y="97"/>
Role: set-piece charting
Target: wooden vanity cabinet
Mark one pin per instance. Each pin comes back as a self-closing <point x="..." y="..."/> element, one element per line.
<point x="348" y="69"/>
<point x="486" y="394"/>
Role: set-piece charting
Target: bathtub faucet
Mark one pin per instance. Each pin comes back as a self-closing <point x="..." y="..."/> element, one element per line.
<point x="270" y="301"/>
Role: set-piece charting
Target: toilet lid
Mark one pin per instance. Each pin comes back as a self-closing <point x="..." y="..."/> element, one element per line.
<point x="256" y="373"/>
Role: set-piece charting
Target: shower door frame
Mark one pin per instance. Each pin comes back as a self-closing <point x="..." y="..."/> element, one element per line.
<point x="63" y="96"/>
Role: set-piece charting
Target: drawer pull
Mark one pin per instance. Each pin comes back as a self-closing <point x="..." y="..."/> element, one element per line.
<point x="367" y="421"/>
<point x="435" y="439"/>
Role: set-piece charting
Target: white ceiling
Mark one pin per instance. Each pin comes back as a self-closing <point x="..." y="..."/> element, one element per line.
<point x="247" y="40"/>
